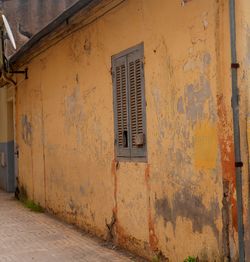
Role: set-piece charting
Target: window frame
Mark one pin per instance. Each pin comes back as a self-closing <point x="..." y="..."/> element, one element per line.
<point x="131" y="157"/>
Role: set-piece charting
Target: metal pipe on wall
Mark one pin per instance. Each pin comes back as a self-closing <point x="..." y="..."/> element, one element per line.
<point x="236" y="129"/>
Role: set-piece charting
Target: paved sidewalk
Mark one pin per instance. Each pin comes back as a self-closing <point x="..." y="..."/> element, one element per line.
<point x="27" y="236"/>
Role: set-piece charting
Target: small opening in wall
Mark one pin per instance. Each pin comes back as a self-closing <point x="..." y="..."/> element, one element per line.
<point x="125" y="138"/>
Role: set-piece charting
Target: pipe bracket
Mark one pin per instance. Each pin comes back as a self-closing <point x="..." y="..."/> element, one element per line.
<point x="24" y="72"/>
<point x="238" y="164"/>
<point x="235" y="65"/>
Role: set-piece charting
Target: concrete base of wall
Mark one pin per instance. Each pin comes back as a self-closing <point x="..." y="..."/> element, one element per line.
<point x="7" y="172"/>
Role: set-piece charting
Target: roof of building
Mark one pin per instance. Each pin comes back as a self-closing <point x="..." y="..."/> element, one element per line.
<point x="54" y="24"/>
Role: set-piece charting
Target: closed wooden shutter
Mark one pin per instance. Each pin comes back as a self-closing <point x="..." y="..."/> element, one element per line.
<point x="121" y="107"/>
<point x="129" y="103"/>
<point x="137" y="103"/>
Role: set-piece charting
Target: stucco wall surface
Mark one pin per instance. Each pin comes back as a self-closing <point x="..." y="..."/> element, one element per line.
<point x="65" y="130"/>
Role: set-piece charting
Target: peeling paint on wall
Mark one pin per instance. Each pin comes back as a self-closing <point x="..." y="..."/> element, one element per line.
<point x="183" y="2"/>
<point x="196" y="98"/>
<point x="26" y="130"/>
<point x="186" y="205"/>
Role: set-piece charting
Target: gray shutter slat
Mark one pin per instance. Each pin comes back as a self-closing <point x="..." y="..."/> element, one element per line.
<point x="119" y="71"/>
<point x="137" y="103"/>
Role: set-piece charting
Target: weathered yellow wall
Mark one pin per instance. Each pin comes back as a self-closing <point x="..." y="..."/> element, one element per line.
<point x="173" y="203"/>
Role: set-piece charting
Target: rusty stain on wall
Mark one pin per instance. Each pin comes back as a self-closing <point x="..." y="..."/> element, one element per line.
<point x="229" y="211"/>
<point x="227" y="155"/>
<point x="114" y="166"/>
<point x="153" y="240"/>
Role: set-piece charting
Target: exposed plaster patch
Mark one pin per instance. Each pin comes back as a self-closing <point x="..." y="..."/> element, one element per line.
<point x="205" y="20"/>
<point x="206" y="59"/>
<point x="26" y="130"/>
<point x="183" y="2"/>
<point x="180" y="106"/>
<point x="182" y="158"/>
<point x="197" y="31"/>
<point x="72" y="107"/>
<point x="199" y="102"/>
<point x="161" y="121"/>
<point x="205" y="24"/>
<point x="74" y="114"/>
<point x="196" y="97"/>
<point x="200" y="62"/>
<point x="190" y="65"/>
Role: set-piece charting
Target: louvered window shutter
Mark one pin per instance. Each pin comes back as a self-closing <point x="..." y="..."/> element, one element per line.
<point x="137" y="103"/>
<point x="122" y="140"/>
<point x="129" y="104"/>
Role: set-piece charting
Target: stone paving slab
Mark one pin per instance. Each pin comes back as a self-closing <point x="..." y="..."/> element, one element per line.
<point x="28" y="236"/>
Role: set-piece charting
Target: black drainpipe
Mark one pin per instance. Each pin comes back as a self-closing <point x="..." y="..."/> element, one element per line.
<point x="236" y="128"/>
